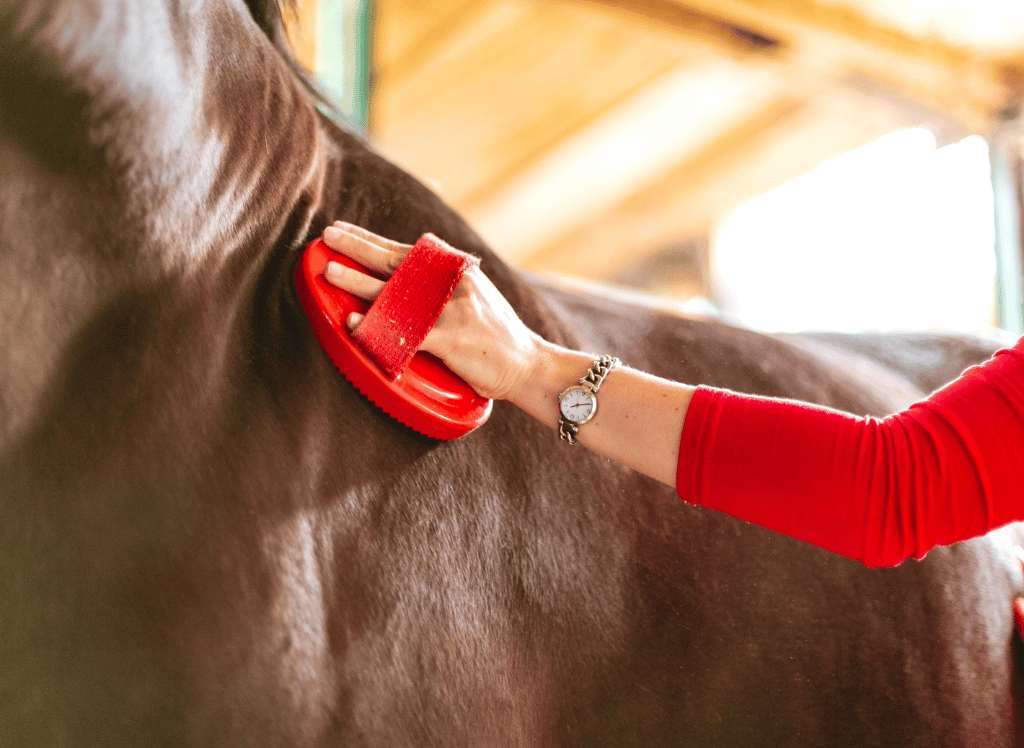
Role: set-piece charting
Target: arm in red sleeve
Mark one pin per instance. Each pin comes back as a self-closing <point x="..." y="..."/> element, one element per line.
<point x="948" y="468"/>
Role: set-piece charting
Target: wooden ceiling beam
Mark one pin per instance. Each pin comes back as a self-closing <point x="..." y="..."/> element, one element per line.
<point x="700" y="25"/>
<point x="971" y="85"/>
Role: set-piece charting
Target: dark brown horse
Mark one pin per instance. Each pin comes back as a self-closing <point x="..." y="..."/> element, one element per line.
<point x="208" y="538"/>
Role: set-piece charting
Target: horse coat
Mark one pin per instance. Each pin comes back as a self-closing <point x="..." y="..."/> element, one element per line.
<point x="207" y="538"/>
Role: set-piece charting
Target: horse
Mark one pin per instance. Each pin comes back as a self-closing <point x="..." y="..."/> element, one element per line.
<point x="209" y="538"/>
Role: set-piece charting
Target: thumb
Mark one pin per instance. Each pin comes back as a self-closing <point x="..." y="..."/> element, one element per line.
<point x="353" y="320"/>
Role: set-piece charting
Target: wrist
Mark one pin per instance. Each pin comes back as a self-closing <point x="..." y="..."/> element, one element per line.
<point x="551" y="369"/>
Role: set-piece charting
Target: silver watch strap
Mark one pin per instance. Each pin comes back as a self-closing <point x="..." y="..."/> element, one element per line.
<point x="567" y="430"/>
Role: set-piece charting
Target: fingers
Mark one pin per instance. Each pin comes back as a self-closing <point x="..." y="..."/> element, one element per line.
<point x="356" y="283"/>
<point x="373" y="238"/>
<point x="373" y="252"/>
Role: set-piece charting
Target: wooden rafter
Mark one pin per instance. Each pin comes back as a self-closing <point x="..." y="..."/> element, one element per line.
<point x="838" y="41"/>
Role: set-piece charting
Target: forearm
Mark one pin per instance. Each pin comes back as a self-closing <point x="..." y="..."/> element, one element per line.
<point x="944" y="470"/>
<point x="639" y="417"/>
<point x="877" y="491"/>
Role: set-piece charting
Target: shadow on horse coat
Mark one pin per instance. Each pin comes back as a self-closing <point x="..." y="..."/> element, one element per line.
<point x="209" y="538"/>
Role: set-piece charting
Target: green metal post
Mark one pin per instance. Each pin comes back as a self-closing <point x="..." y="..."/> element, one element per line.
<point x="344" y="41"/>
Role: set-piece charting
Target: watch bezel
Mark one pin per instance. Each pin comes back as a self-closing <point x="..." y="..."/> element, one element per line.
<point x="590" y="394"/>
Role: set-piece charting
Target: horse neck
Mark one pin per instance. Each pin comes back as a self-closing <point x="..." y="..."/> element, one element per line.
<point x="165" y="180"/>
<point x="146" y="173"/>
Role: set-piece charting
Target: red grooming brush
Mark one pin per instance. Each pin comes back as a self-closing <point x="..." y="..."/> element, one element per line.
<point x="412" y="387"/>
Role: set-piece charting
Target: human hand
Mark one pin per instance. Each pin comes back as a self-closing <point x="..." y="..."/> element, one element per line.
<point x="478" y="335"/>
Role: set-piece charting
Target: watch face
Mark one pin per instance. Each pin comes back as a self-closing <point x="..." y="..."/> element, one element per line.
<point x="577" y="404"/>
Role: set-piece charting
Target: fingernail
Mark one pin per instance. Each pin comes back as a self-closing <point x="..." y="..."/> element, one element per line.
<point x="353" y="320"/>
<point x="332" y="270"/>
<point x="332" y="234"/>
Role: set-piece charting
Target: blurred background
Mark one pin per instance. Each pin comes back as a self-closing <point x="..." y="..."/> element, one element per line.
<point x="788" y="164"/>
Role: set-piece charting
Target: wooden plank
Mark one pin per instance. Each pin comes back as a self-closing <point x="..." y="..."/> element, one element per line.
<point x="408" y="32"/>
<point x="517" y="79"/>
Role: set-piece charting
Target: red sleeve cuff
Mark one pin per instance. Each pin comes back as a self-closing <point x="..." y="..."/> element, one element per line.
<point x="692" y="446"/>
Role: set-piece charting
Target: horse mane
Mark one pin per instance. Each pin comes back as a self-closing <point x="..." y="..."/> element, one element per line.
<point x="269" y="15"/>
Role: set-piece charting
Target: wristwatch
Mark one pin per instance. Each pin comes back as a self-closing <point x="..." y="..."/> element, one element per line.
<point x="577" y="403"/>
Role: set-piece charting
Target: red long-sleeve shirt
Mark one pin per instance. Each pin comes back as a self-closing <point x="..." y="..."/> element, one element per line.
<point x="948" y="468"/>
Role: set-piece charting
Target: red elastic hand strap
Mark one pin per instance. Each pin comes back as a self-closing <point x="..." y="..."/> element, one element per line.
<point x="405" y="311"/>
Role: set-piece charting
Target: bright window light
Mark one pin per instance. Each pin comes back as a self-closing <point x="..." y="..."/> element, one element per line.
<point x="994" y="25"/>
<point x="897" y="235"/>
